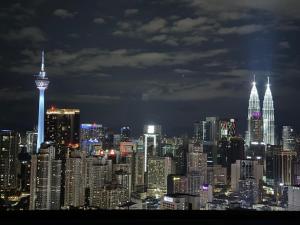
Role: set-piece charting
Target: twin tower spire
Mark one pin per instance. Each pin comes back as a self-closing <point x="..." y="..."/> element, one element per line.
<point x="267" y="115"/>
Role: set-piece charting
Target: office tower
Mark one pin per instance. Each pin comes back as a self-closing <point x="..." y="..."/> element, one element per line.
<point x="230" y="151"/>
<point x="256" y="129"/>
<point x="174" y="202"/>
<point x="45" y="179"/>
<point x="253" y="109"/>
<point x="210" y="141"/>
<point x="126" y="148"/>
<point x="125" y="133"/>
<point x="152" y="134"/>
<point x="75" y="180"/>
<point x="24" y="173"/>
<point x="244" y="169"/>
<point x="288" y="138"/>
<point x="31" y="141"/>
<point x="200" y="131"/>
<point x="139" y="171"/>
<point x="63" y="127"/>
<point x="196" y="168"/>
<point x="284" y="167"/>
<point x="211" y="130"/>
<point x="9" y="148"/>
<point x="176" y="184"/>
<point x="42" y="83"/>
<point x="227" y="128"/>
<point x="217" y="175"/>
<point x="271" y="151"/>
<point x="109" y="197"/>
<point x="180" y="202"/>
<point x="124" y="180"/>
<point x="158" y="170"/>
<point x="181" y="154"/>
<point x="268" y="117"/>
<point x="293" y="198"/>
<point x="90" y="136"/>
<point x="206" y="195"/>
<point x="116" y="141"/>
<point x="248" y="191"/>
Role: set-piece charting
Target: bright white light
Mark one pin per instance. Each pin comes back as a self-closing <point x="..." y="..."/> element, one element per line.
<point x="150" y="129"/>
<point x="168" y="199"/>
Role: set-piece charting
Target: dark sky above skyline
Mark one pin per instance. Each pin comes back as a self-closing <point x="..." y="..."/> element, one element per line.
<point x="129" y="62"/>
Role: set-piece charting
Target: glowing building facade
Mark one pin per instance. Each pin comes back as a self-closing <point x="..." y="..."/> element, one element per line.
<point x="254" y="108"/>
<point x="268" y="117"/>
<point x="42" y="83"/>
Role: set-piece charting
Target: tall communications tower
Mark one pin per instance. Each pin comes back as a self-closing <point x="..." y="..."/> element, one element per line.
<point x="42" y="83"/>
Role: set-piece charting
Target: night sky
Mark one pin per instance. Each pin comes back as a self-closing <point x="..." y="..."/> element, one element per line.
<point x="130" y="62"/>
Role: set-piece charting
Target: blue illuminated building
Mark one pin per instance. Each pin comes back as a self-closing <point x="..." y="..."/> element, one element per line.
<point x="42" y="83"/>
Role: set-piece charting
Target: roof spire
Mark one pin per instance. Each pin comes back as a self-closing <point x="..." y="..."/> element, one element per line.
<point x="43" y="62"/>
<point x="268" y="81"/>
<point x="254" y="83"/>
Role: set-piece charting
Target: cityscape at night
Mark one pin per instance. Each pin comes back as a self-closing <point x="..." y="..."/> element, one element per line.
<point x="150" y="105"/>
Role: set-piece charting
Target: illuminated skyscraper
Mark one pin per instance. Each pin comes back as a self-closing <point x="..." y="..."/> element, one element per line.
<point x="288" y="138"/>
<point x="42" y="83"/>
<point x="63" y="126"/>
<point x="45" y="179"/>
<point x="268" y="117"/>
<point x="9" y="146"/>
<point x="253" y="108"/>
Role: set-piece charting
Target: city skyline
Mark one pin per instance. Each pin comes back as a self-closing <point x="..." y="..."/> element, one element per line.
<point x="181" y="57"/>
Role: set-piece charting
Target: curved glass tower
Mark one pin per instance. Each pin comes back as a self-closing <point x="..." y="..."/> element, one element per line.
<point x="268" y="117"/>
<point x="253" y="108"/>
<point x="42" y="83"/>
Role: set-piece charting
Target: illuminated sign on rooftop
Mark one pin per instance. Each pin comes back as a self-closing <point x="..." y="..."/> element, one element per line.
<point x="150" y="129"/>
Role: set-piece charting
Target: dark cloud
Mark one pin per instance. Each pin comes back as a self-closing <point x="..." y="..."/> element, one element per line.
<point x="63" y="13"/>
<point x="99" y="20"/>
<point x="32" y="34"/>
<point x="129" y="12"/>
<point x="151" y="60"/>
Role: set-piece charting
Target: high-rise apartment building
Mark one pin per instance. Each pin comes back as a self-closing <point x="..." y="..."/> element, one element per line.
<point x="62" y="126"/>
<point x="9" y="149"/>
<point x="158" y="170"/>
<point x="74" y="194"/>
<point x="45" y="179"/>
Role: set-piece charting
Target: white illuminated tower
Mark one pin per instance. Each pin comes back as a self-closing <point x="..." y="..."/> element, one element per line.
<point x="42" y="83"/>
<point x="254" y="107"/>
<point x="268" y="117"/>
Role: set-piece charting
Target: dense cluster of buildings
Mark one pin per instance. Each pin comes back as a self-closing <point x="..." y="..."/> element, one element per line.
<point x="67" y="164"/>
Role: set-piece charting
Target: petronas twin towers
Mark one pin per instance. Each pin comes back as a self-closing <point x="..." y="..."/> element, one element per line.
<point x="254" y="113"/>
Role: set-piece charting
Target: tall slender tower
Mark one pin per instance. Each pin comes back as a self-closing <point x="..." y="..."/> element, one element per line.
<point x="268" y="117"/>
<point x="254" y="108"/>
<point x="42" y="83"/>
